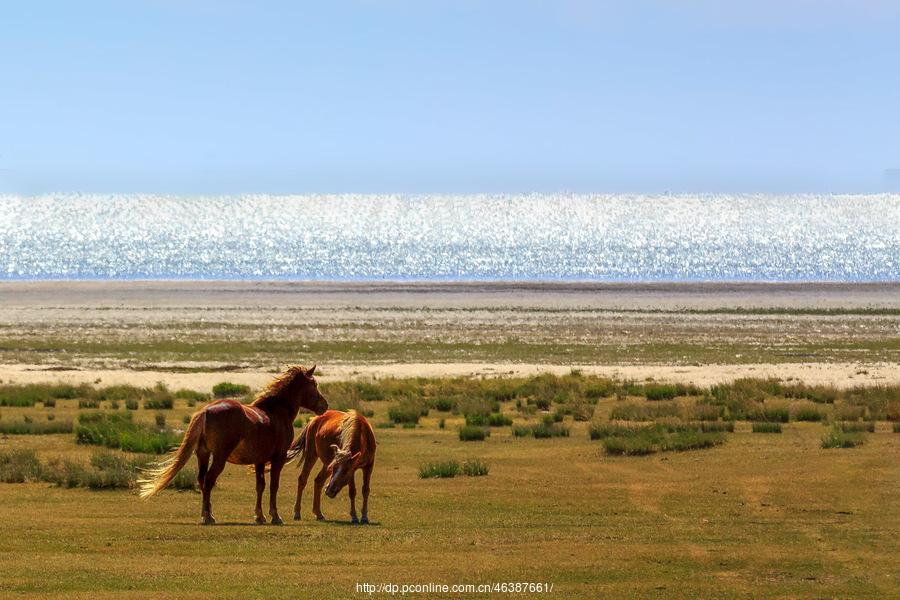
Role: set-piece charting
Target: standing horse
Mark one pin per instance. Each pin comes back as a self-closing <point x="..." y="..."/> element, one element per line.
<point x="345" y="442"/>
<point x="254" y="434"/>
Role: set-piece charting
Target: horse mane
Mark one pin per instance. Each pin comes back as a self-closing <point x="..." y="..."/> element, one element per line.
<point x="349" y="427"/>
<point x="272" y="392"/>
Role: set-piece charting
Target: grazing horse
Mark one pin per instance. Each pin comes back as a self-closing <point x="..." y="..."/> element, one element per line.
<point x="345" y="442"/>
<point x="254" y="434"/>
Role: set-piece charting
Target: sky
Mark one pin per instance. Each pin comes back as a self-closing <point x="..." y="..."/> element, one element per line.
<point x="457" y="96"/>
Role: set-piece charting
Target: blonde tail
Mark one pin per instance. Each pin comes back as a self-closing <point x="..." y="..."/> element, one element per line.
<point x="160" y="475"/>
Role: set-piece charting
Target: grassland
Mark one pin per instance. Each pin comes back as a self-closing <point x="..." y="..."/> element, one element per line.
<point x="747" y="516"/>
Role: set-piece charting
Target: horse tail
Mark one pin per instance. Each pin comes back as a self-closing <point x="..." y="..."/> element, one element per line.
<point x="296" y="450"/>
<point x="161" y="474"/>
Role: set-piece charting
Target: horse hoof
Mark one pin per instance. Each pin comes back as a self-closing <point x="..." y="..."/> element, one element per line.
<point x="208" y="520"/>
<point x="320" y="517"/>
<point x="364" y="520"/>
<point x="276" y="520"/>
<point x="354" y="520"/>
<point x="260" y="520"/>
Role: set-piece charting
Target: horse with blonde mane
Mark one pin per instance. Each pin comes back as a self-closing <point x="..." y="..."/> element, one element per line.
<point x="345" y="442"/>
<point x="230" y="432"/>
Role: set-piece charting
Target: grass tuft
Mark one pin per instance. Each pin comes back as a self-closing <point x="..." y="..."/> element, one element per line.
<point x="766" y="427"/>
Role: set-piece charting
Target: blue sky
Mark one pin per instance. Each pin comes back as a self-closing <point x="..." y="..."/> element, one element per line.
<point x="228" y="97"/>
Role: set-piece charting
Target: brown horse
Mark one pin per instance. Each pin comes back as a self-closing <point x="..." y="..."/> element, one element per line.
<point x="254" y="434"/>
<point x="345" y="442"/>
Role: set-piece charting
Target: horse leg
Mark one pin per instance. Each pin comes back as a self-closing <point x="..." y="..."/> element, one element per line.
<point x="308" y="464"/>
<point x="367" y="476"/>
<point x="202" y="468"/>
<point x="209" y="481"/>
<point x="260" y="488"/>
<point x="273" y="491"/>
<point x="317" y="492"/>
<point x="352" y="493"/>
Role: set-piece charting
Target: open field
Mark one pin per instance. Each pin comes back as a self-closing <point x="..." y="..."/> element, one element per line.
<point x="756" y="516"/>
<point x="633" y="512"/>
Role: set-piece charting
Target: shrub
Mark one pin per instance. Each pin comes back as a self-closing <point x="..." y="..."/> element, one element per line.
<point x="655" y="438"/>
<point x="407" y="411"/>
<point x="85" y="403"/>
<point x="192" y="396"/>
<point x="660" y="392"/>
<point x="491" y="420"/>
<point x="896" y="427"/>
<point x="766" y="427"/>
<point x="160" y="421"/>
<point x="186" y="419"/>
<point x="841" y="439"/>
<point x="19" y="466"/>
<point x="441" y="469"/>
<point x="23" y="427"/>
<point x="808" y="412"/>
<point x="117" y="430"/>
<point x="159" y="403"/>
<point x="599" y="430"/>
<point x="544" y="431"/>
<point x="521" y="430"/>
<point x="29" y="394"/>
<point x="475" y="468"/>
<point x="472" y="433"/>
<point x="632" y="411"/>
<point x="442" y="423"/>
<point x="226" y="389"/>
<point x="856" y="426"/>
<point x="770" y="414"/>
<point x="114" y="404"/>
<point x="712" y="426"/>
<point x="385" y="425"/>
<point x="442" y="404"/>
<point x="131" y="404"/>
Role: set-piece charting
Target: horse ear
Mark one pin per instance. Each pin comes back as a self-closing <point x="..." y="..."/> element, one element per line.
<point x="311" y="370"/>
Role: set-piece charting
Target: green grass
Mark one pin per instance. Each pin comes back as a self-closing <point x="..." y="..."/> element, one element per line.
<point x="445" y="469"/>
<point x="105" y="470"/>
<point x="119" y="430"/>
<point x="473" y="433"/>
<point x="36" y="427"/>
<point x="836" y="438"/>
<point x="896" y="427"/>
<point x="766" y="427"/>
<point x="856" y="426"/>
<point x="32" y="393"/>
<point x="407" y="411"/>
<point x="475" y="467"/>
<point x="226" y="389"/>
<point x="491" y="420"/>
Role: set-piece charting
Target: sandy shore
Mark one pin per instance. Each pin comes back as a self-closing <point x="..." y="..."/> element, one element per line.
<point x="193" y="334"/>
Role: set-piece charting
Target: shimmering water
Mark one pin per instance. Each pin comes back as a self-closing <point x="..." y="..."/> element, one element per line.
<point x="481" y="237"/>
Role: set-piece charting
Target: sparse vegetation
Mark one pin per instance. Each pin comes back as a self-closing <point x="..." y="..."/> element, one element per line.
<point x="226" y="389"/>
<point x="766" y="427"/>
<point x="473" y="433"/>
<point x="440" y="469"/>
<point x="31" y="427"/>
<point x="475" y="468"/>
<point x="856" y="426"/>
<point x="119" y="430"/>
<point x="836" y="438"/>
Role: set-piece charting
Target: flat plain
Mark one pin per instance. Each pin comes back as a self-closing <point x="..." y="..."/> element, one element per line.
<point x="760" y="515"/>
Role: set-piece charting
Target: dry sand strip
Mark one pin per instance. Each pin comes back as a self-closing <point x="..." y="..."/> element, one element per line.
<point x="838" y="374"/>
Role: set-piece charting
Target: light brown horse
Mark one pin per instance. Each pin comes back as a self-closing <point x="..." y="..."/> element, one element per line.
<point x="345" y="442"/>
<point x="254" y="434"/>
